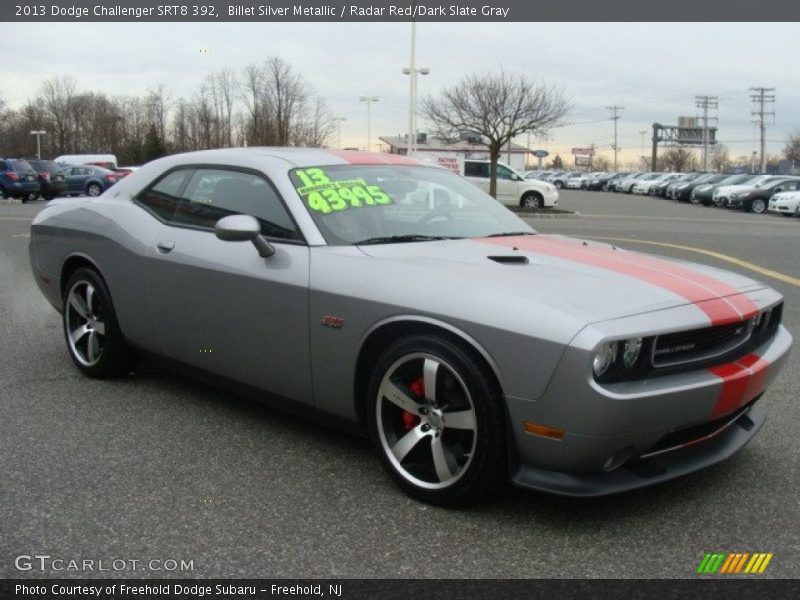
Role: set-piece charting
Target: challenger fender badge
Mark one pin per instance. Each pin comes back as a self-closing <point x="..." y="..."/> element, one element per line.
<point x="331" y="321"/>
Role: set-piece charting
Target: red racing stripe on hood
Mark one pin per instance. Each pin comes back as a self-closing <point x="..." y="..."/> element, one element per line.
<point x="742" y="381"/>
<point x="355" y="157"/>
<point x="721" y="302"/>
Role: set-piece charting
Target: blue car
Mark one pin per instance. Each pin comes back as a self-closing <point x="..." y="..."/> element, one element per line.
<point x="88" y="180"/>
<point x="18" y="179"/>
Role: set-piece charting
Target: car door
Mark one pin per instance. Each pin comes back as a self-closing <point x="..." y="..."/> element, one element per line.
<point x="218" y="305"/>
<point x="477" y="173"/>
<point x="75" y="177"/>
<point x="507" y="187"/>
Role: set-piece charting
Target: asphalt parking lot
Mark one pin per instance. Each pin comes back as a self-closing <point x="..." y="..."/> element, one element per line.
<point x="155" y="466"/>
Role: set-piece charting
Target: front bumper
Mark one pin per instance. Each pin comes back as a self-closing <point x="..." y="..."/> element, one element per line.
<point x="682" y="460"/>
<point x="550" y="198"/>
<point x="608" y="429"/>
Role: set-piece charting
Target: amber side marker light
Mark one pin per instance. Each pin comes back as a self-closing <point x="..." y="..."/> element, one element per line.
<point x="554" y="433"/>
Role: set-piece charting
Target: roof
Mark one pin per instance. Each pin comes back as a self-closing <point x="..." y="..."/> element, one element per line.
<point x="432" y="144"/>
<point x="298" y="157"/>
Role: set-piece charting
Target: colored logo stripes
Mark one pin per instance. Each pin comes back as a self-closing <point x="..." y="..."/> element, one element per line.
<point x="732" y="563"/>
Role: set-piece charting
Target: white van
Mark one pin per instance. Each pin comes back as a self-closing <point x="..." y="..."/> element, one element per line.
<point x="512" y="188"/>
<point x="109" y="161"/>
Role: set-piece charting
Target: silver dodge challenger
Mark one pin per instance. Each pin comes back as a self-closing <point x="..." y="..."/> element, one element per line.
<point x="396" y="298"/>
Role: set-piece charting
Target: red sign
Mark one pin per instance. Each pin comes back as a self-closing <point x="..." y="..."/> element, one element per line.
<point x="583" y="151"/>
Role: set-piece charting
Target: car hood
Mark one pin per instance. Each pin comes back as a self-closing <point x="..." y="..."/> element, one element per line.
<point x="728" y="189"/>
<point x="588" y="281"/>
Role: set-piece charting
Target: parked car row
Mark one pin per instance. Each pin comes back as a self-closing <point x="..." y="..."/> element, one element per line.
<point x="28" y="179"/>
<point x="752" y="193"/>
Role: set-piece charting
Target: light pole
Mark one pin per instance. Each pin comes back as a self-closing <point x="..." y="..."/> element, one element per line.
<point x="643" y="133"/>
<point x="412" y="119"/>
<point x="38" y="134"/>
<point x="338" y="121"/>
<point x="369" y="100"/>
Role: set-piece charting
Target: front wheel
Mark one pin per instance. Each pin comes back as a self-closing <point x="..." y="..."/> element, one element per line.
<point x="94" y="339"/>
<point x="532" y="200"/>
<point x="758" y="206"/>
<point x="559" y="185"/>
<point x="94" y="189"/>
<point x="437" y="418"/>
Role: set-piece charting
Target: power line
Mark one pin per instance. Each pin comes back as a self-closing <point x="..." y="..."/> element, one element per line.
<point x="763" y="97"/>
<point x="615" y="111"/>
<point x="706" y="103"/>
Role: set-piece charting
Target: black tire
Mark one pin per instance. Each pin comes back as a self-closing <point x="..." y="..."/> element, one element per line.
<point x="94" y="189"/>
<point x="49" y="197"/>
<point x="694" y="200"/>
<point x="787" y="214"/>
<point x="475" y="459"/>
<point x="758" y="206"/>
<point x="112" y="357"/>
<point x="532" y="200"/>
<point x="3" y="193"/>
<point x="559" y="184"/>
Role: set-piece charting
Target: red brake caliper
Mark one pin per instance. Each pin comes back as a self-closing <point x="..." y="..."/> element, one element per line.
<point x="410" y="420"/>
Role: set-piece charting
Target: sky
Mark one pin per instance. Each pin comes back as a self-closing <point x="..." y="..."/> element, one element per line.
<point x="654" y="70"/>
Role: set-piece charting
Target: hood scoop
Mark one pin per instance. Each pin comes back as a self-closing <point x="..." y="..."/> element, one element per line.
<point x="510" y="260"/>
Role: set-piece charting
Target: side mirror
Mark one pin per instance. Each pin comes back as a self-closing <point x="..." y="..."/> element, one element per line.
<point x="515" y="177"/>
<point x="243" y="228"/>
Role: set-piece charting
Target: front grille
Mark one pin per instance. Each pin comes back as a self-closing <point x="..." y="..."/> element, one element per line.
<point x="707" y="343"/>
<point x="697" y="344"/>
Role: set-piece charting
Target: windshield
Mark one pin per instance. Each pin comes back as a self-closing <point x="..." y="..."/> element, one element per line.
<point x="357" y="203"/>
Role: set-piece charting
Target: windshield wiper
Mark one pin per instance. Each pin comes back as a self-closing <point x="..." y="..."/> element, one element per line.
<point x="409" y="237"/>
<point x="511" y="234"/>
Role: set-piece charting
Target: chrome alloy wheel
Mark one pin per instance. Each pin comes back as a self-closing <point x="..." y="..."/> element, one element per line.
<point x="85" y="323"/>
<point x="426" y="421"/>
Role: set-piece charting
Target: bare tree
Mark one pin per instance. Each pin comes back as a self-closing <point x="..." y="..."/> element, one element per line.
<point x="678" y="159"/>
<point x="601" y="163"/>
<point x="498" y="106"/>
<point x="720" y="158"/>
<point x="792" y="149"/>
<point x="58" y="95"/>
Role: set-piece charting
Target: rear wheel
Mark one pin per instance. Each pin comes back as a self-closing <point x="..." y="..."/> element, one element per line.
<point x="437" y="419"/>
<point x="532" y="200"/>
<point x="93" y="336"/>
<point x="758" y="206"/>
<point x="94" y="189"/>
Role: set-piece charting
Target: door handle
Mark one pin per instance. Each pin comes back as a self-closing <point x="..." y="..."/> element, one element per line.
<point x="165" y="246"/>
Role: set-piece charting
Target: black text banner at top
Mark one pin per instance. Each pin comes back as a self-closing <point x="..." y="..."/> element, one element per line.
<point x="608" y="11"/>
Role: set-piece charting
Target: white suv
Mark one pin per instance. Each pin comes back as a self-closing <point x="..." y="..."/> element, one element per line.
<point x="512" y="188"/>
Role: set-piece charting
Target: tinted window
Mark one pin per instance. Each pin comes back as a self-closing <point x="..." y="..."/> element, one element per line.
<point x="163" y="198"/>
<point x="503" y="172"/>
<point x="216" y="193"/>
<point x="476" y="169"/>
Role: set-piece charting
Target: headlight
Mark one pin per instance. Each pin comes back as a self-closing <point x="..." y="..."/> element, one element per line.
<point x="631" y="351"/>
<point x="604" y="357"/>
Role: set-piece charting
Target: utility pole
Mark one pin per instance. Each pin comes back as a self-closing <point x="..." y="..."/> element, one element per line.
<point x="615" y="112"/>
<point x="412" y="91"/>
<point x="38" y="133"/>
<point x="706" y="103"/>
<point x="762" y="98"/>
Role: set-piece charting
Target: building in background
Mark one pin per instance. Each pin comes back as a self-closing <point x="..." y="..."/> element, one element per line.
<point x="431" y="148"/>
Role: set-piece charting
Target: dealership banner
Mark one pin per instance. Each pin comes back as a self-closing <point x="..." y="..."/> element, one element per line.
<point x="394" y="589"/>
<point x="399" y="10"/>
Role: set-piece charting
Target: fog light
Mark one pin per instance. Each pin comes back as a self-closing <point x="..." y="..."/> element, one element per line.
<point x="604" y="357"/>
<point x="631" y="351"/>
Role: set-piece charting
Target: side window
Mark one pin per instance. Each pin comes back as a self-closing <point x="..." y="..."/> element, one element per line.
<point x="503" y="172"/>
<point x="476" y="169"/>
<point x="215" y="193"/>
<point x="163" y="198"/>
